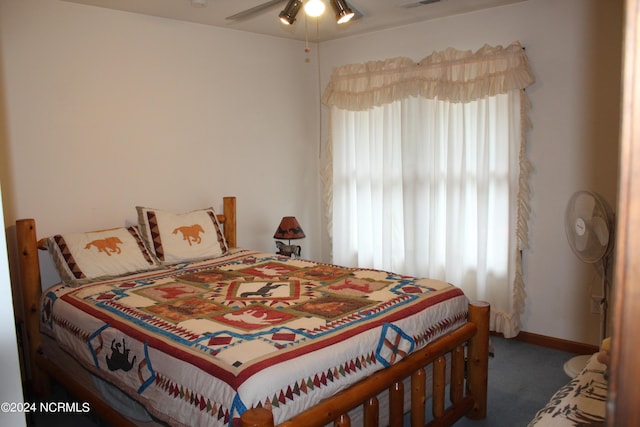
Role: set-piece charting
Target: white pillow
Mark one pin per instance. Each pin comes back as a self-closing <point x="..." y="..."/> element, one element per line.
<point x="174" y="238"/>
<point x="99" y="255"/>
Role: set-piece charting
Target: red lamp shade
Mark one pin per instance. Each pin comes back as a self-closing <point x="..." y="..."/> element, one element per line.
<point x="289" y="229"/>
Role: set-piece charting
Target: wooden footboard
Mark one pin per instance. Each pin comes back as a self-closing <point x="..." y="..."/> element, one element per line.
<point x="466" y="396"/>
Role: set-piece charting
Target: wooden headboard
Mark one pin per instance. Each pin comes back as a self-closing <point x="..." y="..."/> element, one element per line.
<point x="30" y="281"/>
<point x="228" y="220"/>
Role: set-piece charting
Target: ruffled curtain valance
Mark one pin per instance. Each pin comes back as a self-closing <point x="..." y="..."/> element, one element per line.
<point x="451" y="75"/>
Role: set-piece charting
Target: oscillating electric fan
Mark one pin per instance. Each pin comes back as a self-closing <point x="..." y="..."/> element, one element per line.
<point x="589" y="223"/>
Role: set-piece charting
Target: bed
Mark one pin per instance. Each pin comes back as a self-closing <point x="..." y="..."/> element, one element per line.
<point x="232" y="336"/>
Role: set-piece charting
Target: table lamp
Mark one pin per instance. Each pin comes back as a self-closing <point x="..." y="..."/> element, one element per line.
<point x="289" y="229"/>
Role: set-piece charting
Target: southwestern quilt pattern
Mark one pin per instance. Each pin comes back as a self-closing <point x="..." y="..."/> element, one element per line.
<point x="199" y="343"/>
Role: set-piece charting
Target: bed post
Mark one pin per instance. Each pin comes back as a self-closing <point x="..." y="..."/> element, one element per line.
<point x="229" y="211"/>
<point x="257" y="417"/>
<point x="31" y="292"/>
<point x="478" y="359"/>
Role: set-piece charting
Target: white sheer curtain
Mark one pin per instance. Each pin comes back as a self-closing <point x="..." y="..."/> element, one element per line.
<point x="428" y="174"/>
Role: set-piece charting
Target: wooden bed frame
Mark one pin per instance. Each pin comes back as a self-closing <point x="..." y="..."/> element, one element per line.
<point x="467" y="396"/>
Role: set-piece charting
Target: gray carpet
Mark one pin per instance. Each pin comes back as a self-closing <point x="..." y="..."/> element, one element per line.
<point x="522" y="378"/>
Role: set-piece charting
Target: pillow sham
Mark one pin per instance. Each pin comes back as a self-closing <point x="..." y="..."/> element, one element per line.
<point x="99" y="255"/>
<point x="173" y="238"/>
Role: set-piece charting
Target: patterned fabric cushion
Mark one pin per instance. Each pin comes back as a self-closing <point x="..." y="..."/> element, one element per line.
<point x="580" y="403"/>
<point x="88" y="257"/>
<point x="174" y="238"/>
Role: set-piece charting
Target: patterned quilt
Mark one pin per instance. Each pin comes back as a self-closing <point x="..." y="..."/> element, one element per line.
<point x="199" y="343"/>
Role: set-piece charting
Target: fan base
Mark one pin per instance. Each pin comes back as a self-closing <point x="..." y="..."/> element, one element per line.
<point x="575" y="365"/>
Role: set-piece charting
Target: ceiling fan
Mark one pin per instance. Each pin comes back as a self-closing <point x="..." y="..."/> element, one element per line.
<point x="344" y="13"/>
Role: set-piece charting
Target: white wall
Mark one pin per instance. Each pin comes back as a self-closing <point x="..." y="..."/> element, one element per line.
<point x="107" y="110"/>
<point x="574" y="47"/>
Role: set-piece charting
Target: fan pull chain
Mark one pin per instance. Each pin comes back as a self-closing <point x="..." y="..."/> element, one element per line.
<point x="306" y="37"/>
<point x="307" y="49"/>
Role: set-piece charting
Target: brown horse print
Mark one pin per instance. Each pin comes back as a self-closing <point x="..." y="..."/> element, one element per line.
<point x="190" y="233"/>
<point x="108" y="245"/>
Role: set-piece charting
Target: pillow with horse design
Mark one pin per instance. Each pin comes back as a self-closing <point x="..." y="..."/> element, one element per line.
<point x="99" y="255"/>
<point x="174" y="238"/>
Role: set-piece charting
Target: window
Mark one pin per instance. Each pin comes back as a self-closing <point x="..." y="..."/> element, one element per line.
<point x="428" y="176"/>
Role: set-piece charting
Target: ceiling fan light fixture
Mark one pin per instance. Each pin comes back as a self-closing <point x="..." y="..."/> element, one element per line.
<point x="288" y="14"/>
<point x="343" y="11"/>
<point x="314" y="8"/>
<point x="198" y="3"/>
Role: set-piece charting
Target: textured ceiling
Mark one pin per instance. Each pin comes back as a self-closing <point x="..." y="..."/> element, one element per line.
<point x="373" y="14"/>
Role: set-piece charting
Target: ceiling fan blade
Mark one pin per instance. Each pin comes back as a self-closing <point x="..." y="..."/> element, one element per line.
<point x="253" y="11"/>
<point x="419" y="3"/>
<point x="356" y="12"/>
